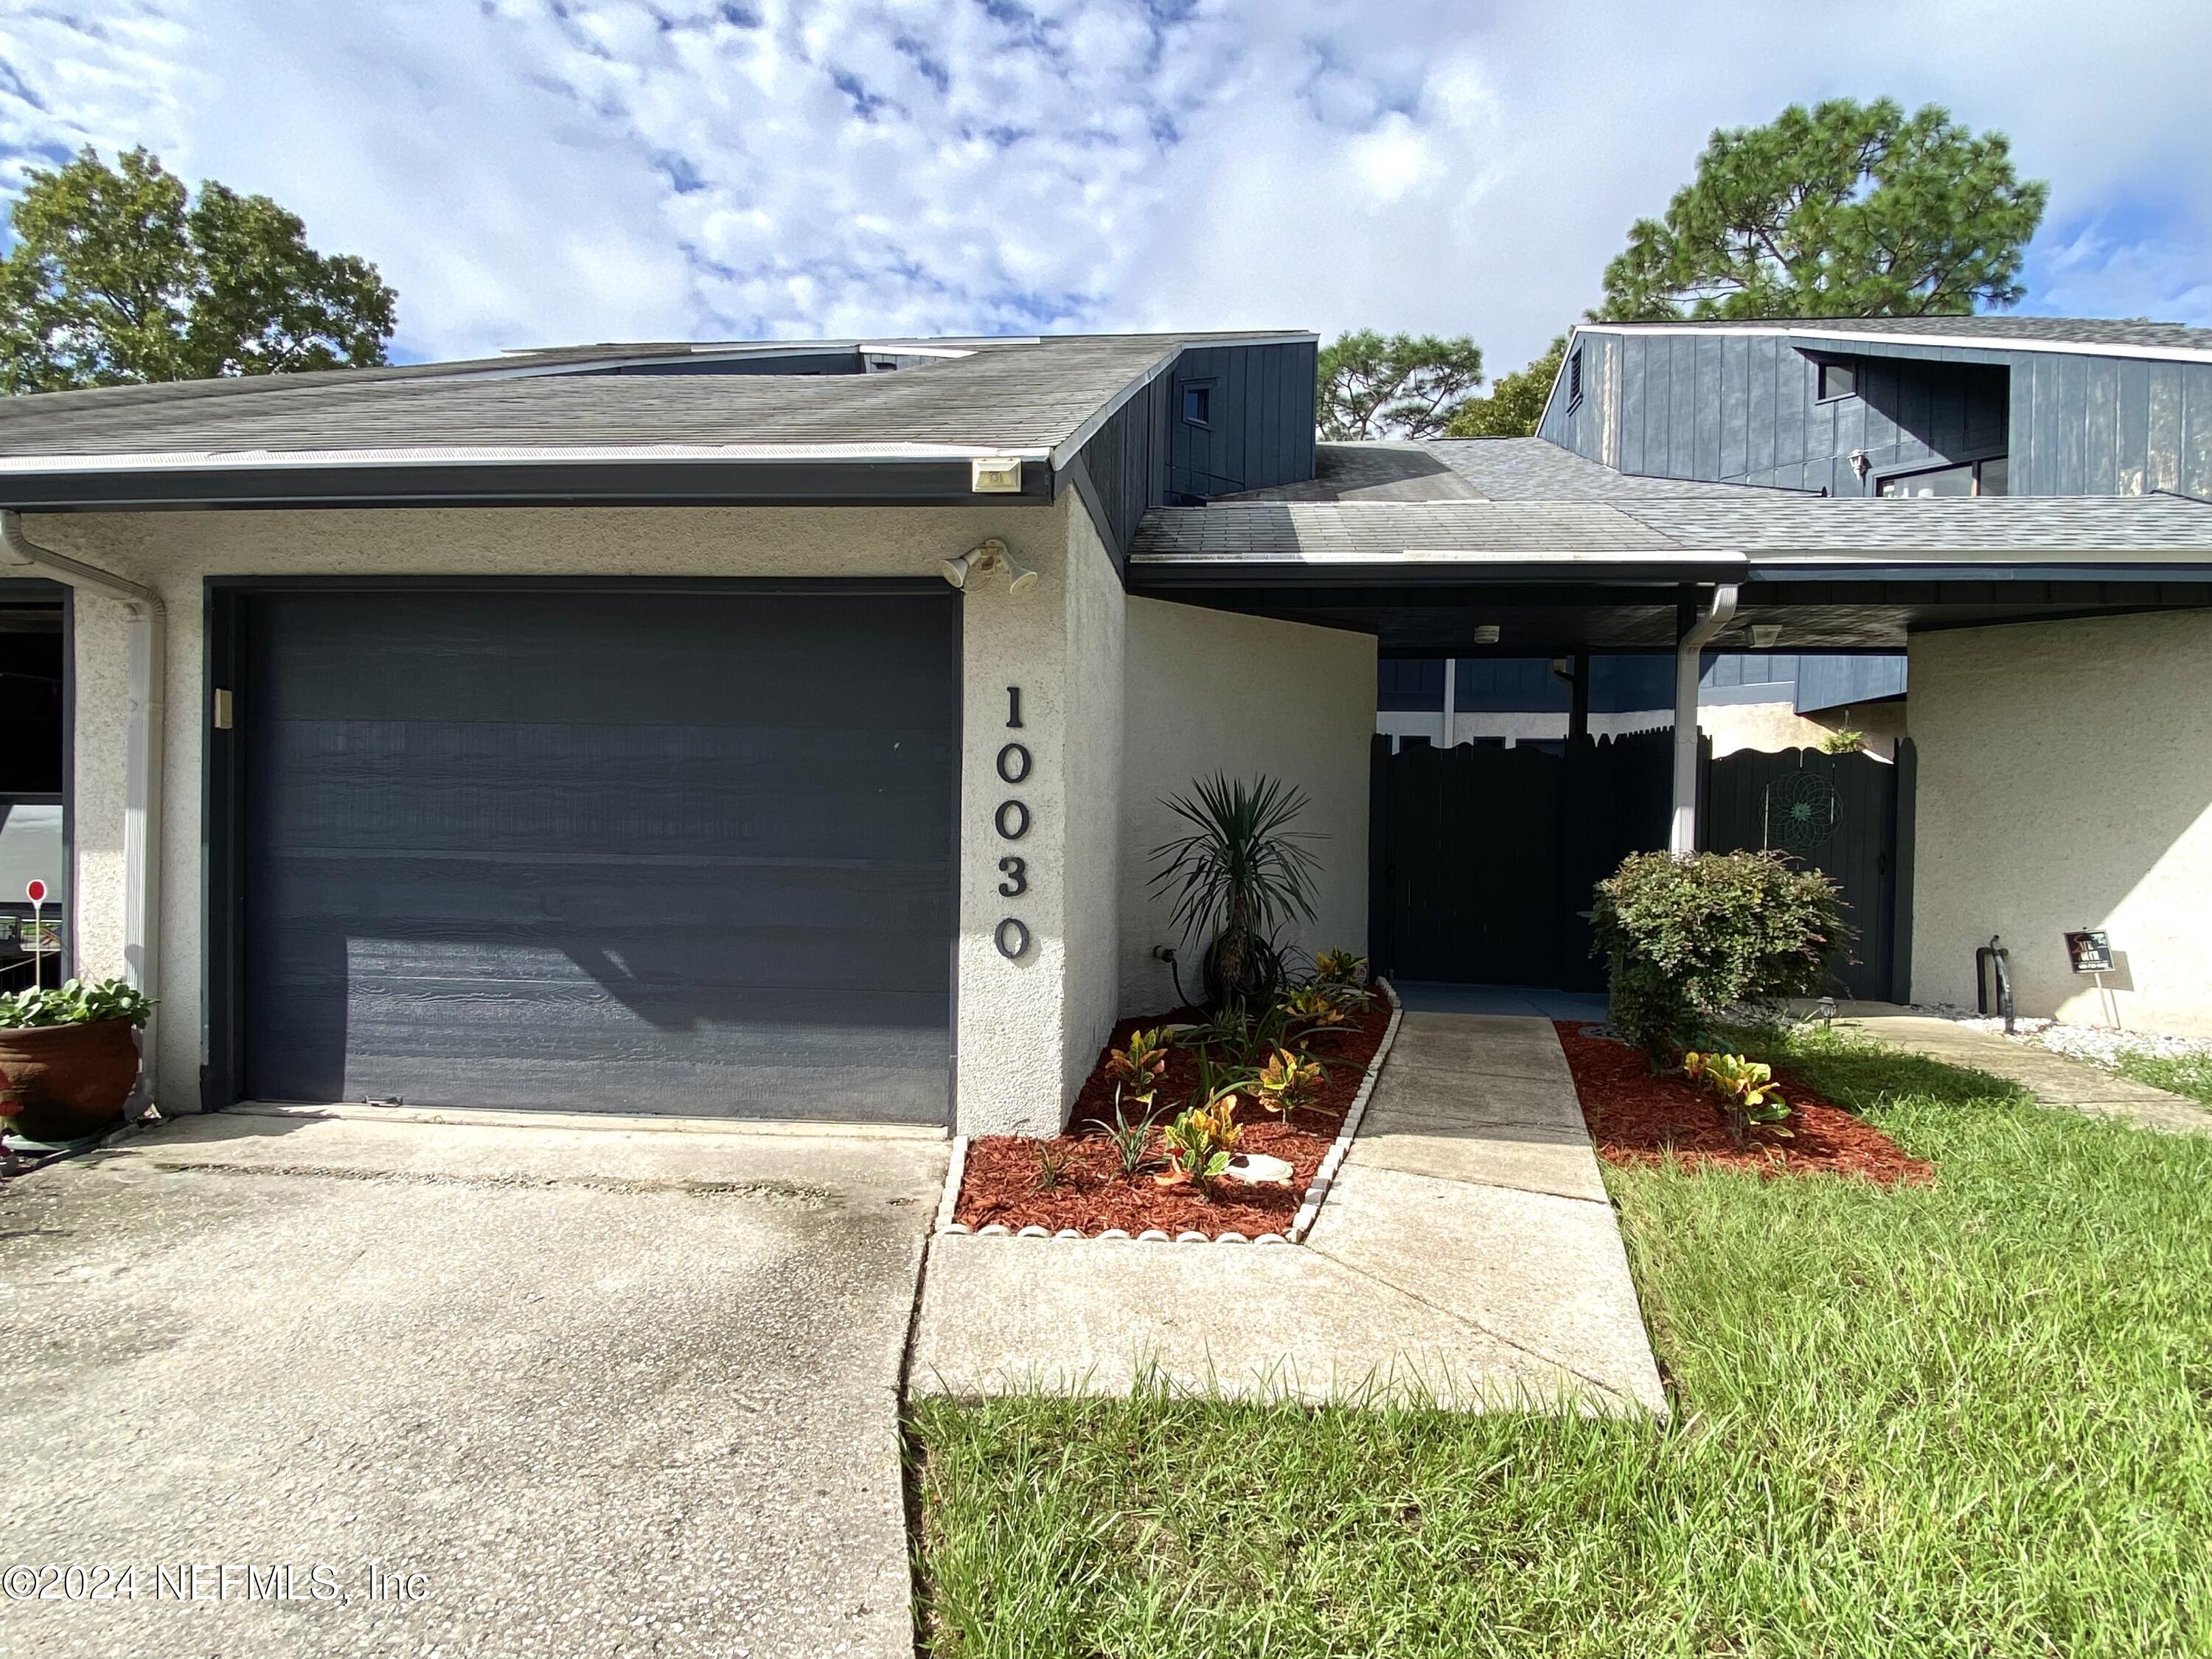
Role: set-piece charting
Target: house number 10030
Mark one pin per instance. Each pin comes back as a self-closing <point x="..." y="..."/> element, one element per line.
<point x="1012" y="821"/>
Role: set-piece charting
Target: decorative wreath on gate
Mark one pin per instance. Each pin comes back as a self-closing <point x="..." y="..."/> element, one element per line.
<point x="1802" y="811"/>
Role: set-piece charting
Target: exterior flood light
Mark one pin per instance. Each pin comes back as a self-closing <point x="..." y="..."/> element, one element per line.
<point x="1485" y="634"/>
<point x="995" y="475"/>
<point x="984" y="559"/>
<point x="1765" y="636"/>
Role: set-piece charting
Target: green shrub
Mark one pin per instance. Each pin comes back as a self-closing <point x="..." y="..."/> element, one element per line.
<point x="1685" y="939"/>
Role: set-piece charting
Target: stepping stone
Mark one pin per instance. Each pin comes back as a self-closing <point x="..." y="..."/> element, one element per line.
<point x="1259" y="1169"/>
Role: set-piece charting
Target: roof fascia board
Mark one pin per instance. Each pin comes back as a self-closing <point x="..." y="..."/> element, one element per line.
<point x="1364" y="570"/>
<point x="1827" y="340"/>
<point x="803" y="482"/>
<point x="2070" y="567"/>
<point x="465" y="455"/>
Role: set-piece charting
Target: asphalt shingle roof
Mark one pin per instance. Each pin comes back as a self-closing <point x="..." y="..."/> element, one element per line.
<point x="1322" y="530"/>
<point x="1546" y="502"/>
<point x="1538" y="470"/>
<point x="1017" y="396"/>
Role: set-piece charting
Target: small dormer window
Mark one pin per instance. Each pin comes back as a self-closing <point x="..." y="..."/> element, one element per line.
<point x="1575" y="378"/>
<point x="1198" y="405"/>
<point x="1838" y="380"/>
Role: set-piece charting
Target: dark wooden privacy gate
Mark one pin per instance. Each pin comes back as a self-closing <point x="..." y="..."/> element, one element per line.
<point x="1836" y="813"/>
<point x="1483" y="857"/>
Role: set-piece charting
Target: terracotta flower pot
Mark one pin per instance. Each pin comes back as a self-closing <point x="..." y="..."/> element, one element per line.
<point x="71" y="1080"/>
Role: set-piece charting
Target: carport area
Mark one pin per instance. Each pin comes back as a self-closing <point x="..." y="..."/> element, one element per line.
<point x="481" y="1389"/>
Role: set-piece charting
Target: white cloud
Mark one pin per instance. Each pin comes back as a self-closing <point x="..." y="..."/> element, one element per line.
<point x="527" y="171"/>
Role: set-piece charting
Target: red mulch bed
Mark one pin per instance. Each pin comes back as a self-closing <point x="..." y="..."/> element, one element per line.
<point x="1000" y="1183"/>
<point x="1637" y="1118"/>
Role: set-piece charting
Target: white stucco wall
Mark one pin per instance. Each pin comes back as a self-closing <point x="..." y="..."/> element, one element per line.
<point x="1023" y="1030"/>
<point x="1028" y="1029"/>
<point x="2065" y="782"/>
<point x="1210" y="691"/>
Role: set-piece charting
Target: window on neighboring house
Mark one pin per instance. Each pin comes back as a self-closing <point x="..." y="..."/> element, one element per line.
<point x="1989" y="478"/>
<point x="1198" y="404"/>
<point x="1838" y="380"/>
<point x="1575" y="378"/>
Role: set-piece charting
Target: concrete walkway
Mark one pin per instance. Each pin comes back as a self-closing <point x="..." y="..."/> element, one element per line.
<point x="2054" y="1079"/>
<point x="1467" y="1255"/>
<point x="577" y="1391"/>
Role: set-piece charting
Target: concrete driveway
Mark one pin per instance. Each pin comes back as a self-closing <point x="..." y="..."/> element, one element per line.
<point x="479" y="1389"/>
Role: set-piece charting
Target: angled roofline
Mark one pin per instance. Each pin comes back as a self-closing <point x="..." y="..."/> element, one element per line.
<point x="883" y="471"/>
<point x="1803" y="329"/>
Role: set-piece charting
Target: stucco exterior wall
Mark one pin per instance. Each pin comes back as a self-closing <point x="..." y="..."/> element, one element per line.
<point x="1015" y="1022"/>
<point x="1097" y="629"/>
<point x="2065" y="782"/>
<point x="1208" y="691"/>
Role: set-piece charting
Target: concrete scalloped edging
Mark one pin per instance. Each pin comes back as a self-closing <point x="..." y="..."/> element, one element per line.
<point x="1309" y="1207"/>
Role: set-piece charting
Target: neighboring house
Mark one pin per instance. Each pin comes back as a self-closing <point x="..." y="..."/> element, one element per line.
<point x="598" y="730"/>
<point x="1767" y="701"/>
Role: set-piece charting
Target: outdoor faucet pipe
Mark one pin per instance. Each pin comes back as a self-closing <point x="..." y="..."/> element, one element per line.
<point x="1682" y="838"/>
<point x="142" y="810"/>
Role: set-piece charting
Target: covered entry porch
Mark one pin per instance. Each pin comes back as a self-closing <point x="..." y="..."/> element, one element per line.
<point x="1482" y="858"/>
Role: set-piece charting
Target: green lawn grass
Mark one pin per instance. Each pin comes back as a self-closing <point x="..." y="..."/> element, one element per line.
<point x="1974" y="1418"/>
<point x="2180" y="1074"/>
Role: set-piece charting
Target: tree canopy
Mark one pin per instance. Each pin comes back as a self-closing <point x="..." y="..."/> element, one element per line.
<point x="1515" y="401"/>
<point x="1404" y="386"/>
<point x="1846" y="210"/>
<point x="117" y="276"/>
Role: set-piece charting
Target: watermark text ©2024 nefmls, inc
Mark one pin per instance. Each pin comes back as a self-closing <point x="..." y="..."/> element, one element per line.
<point x="212" y="1581"/>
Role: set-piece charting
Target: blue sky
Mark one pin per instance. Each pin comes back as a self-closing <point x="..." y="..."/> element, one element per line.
<point x="532" y="171"/>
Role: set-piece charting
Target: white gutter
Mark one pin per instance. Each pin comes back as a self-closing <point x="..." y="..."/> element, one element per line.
<point x="1682" y="838"/>
<point x="191" y="460"/>
<point x="142" y="810"/>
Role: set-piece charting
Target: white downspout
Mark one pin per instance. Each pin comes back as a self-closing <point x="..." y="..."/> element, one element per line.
<point x="1682" y="839"/>
<point x="142" y="810"/>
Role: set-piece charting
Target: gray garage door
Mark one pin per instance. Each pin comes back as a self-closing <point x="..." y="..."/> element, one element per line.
<point x="601" y="850"/>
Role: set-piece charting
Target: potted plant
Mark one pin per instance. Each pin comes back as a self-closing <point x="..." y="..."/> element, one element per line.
<point x="69" y="1057"/>
<point x="1241" y="873"/>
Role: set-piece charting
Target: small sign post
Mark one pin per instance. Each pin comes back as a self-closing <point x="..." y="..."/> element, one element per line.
<point x="2090" y="952"/>
<point x="35" y="890"/>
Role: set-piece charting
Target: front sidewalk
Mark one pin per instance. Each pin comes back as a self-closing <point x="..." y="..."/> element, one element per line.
<point x="2054" y="1079"/>
<point x="1466" y="1255"/>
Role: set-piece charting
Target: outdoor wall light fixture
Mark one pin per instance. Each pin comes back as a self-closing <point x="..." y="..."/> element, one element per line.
<point x="995" y="475"/>
<point x="1485" y="634"/>
<point x="1765" y="636"/>
<point x="982" y="560"/>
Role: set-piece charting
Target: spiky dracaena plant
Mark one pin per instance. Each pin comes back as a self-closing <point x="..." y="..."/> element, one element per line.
<point x="1241" y="873"/>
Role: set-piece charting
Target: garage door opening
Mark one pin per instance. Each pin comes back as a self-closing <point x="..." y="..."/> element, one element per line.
<point x="684" y="851"/>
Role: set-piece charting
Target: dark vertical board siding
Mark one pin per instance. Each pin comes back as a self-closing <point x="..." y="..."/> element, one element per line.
<point x="1682" y="408"/>
<point x="1748" y="411"/>
<point x="2101" y="466"/>
<point x="2196" y="434"/>
<point x="1632" y="405"/>
<point x="2066" y="411"/>
<point x="1735" y="408"/>
<point x="2028" y="462"/>
<point x="1261" y="432"/>
<point x="1759" y="411"/>
<point x="1705" y="428"/>
<point x="2132" y="438"/>
<point x="2162" y="425"/>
